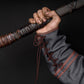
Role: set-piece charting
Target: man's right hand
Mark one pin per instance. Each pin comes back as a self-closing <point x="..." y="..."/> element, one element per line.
<point x="41" y="16"/>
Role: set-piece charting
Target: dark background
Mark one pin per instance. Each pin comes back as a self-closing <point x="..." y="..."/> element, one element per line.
<point x="18" y="60"/>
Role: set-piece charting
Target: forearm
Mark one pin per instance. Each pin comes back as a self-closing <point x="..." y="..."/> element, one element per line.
<point x="56" y="52"/>
<point x="57" y="46"/>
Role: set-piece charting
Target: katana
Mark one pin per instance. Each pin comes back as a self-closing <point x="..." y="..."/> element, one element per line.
<point x="11" y="37"/>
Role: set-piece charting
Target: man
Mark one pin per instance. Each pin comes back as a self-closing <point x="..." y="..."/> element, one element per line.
<point x="64" y="63"/>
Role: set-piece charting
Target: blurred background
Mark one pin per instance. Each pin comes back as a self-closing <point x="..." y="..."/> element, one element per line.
<point x="18" y="60"/>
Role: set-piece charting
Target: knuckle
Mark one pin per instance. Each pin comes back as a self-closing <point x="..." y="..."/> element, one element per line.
<point x="39" y="10"/>
<point x="44" y="8"/>
<point x="53" y="12"/>
<point x="34" y="14"/>
<point x="37" y="19"/>
<point x="30" y="21"/>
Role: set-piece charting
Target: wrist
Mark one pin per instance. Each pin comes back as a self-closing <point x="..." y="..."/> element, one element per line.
<point x="44" y="32"/>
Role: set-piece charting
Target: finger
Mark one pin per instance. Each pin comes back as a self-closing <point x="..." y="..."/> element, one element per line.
<point x="45" y="9"/>
<point x="31" y="20"/>
<point x="36" y="18"/>
<point x="51" y="14"/>
<point x="41" y="16"/>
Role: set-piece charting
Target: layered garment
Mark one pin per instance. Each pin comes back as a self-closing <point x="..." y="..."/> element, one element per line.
<point x="63" y="62"/>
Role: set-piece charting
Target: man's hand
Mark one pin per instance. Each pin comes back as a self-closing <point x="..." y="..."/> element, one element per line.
<point x="41" y="16"/>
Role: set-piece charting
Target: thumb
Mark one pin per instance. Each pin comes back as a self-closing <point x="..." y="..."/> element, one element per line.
<point x="51" y="14"/>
